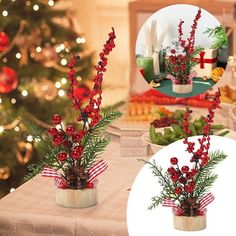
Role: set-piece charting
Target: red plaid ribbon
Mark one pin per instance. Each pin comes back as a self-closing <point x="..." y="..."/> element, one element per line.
<point x="207" y="199"/>
<point x="190" y="76"/>
<point x="93" y="172"/>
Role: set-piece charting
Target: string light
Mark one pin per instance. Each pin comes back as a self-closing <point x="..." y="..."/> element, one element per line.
<point x="5" y="13"/>
<point x="63" y="80"/>
<point x="1" y="129"/>
<point x="13" y="101"/>
<point x="12" y="190"/>
<point x="18" y="55"/>
<point x="35" y="7"/>
<point x="61" y="93"/>
<point x="63" y="61"/>
<point x="57" y="84"/>
<point x="17" y="129"/>
<point x="28" y="3"/>
<point x="4" y="60"/>
<point x="0" y="100"/>
<point x="80" y="40"/>
<point x="58" y="49"/>
<point x="50" y="3"/>
<point x="37" y="139"/>
<point x="30" y="138"/>
<point x="24" y="93"/>
<point x="38" y="49"/>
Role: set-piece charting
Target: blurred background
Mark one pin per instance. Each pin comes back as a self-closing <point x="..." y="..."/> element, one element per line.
<point x="37" y="38"/>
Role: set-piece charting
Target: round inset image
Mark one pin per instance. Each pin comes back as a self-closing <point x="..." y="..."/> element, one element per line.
<point x="169" y="196"/>
<point x="182" y="50"/>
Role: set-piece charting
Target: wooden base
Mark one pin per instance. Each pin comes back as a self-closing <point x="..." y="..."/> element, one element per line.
<point x="76" y="198"/>
<point x="182" y="88"/>
<point x="189" y="223"/>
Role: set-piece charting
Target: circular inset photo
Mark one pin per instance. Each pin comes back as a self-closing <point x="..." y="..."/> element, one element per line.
<point x="172" y="194"/>
<point x="182" y="50"/>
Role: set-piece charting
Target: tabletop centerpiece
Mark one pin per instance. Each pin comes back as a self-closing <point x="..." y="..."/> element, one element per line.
<point x="186" y="188"/>
<point x="180" y="59"/>
<point x="70" y="154"/>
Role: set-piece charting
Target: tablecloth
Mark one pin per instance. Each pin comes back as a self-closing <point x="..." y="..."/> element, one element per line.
<point x="31" y="209"/>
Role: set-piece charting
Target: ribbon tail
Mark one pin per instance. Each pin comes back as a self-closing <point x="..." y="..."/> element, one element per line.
<point x="96" y="170"/>
<point x="207" y="199"/>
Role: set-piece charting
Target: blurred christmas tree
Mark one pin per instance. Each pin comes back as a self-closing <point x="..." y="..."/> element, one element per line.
<point x="34" y="50"/>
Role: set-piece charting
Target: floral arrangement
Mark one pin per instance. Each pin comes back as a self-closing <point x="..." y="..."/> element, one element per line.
<point x="70" y="153"/>
<point x="186" y="188"/>
<point x="180" y="62"/>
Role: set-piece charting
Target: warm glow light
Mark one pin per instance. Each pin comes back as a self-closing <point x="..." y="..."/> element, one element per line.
<point x="18" y="55"/>
<point x="24" y="93"/>
<point x="13" y="101"/>
<point x="4" y="60"/>
<point x="36" y="7"/>
<point x="63" y="80"/>
<point x="61" y="93"/>
<point x="62" y="46"/>
<point x="50" y="3"/>
<point x="5" y="13"/>
<point x="38" y="49"/>
<point x="80" y="40"/>
<point x="17" y="129"/>
<point x="30" y="138"/>
<point x="63" y="61"/>
<point x="57" y="84"/>
<point x="58" y="49"/>
<point x="0" y="100"/>
<point x="83" y="40"/>
<point x="1" y="129"/>
<point x="12" y="190"/>
<point x="28" y="3"/>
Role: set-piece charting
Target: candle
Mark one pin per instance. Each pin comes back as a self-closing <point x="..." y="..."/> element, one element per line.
<point x="147" y="64"/>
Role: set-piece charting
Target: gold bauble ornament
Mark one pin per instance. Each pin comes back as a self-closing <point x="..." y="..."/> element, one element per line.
<point x="24" y="152"/>
<point x="4" y="172"/>
<point x="45" y="89"/>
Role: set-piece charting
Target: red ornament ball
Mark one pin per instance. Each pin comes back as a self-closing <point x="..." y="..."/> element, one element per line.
<point x="57" y="140"/>
<point x="4" y="41"/>
<point x="53" y="131"/>
<point x="70" y="129"/>
<point x="185" y="169"/>
<point x="8" y="80"/>
<point x="56" y="119"/>
<point x="62" y="156"/>
<point x="174" y="160"/>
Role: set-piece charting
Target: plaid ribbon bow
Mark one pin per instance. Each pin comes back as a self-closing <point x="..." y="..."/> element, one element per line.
<point x="93" y="172"/>
<point x="206" y="199"/>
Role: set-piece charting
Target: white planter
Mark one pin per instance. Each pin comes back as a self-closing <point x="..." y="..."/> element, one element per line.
<point x="76" y="198"/>
<point x="182" y="88"/>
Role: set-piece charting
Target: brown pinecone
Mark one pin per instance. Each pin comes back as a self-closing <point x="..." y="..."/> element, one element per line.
<point x="190" y="206"/>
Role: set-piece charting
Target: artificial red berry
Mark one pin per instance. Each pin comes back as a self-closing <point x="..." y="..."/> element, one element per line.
<point x="189" y="175"/>
<point x="67" y="143"/>
<point x="174" y="161"/>
<point x="57" y="140"/>
<point x="185" y="169"/>
<point x="70" y="129"/>
<point x="79" y="148"/>
<point x="61" y="156"/>
<point x="76" y="137"/>
<point x="53" y="131"/>
<point x="56" y="119"/>
<point x="76" y="155"/>
<point x="174" y="177"/>
<point x="182" y="180"/>
<point x="178" y="190"/>
<point x="171" y="170"/>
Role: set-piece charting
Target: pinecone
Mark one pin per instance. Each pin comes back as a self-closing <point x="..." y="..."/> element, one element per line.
<point x="190" y="206"/>
<point x="76" y="177"/>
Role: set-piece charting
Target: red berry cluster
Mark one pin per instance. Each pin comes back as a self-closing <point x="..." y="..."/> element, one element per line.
<point x="200" y="156"/>
<point x="90" y="114"/>
<point x="182" y="178"/>
<point x="69" y="141"/>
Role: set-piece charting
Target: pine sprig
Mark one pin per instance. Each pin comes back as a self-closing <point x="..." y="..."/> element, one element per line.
<point x="204" y="178"/>
<point x="92" y="150"/>
<point x="156" y="201"/>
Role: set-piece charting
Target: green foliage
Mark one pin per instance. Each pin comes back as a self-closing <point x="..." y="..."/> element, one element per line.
<point x="219" y="36"/>
<point x="94" y="144"/>
<point x="205" y="178"/>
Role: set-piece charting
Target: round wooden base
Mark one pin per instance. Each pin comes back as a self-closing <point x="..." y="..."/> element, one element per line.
<point x="76" y="198"/>
<point x="190" y="223"/>
<point x="182" y="88"/>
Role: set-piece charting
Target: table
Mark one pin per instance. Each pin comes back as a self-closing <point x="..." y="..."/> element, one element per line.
<point x="31" y="209"/>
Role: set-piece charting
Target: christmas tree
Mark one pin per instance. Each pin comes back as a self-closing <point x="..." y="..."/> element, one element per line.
<point x="34" y="50"/>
